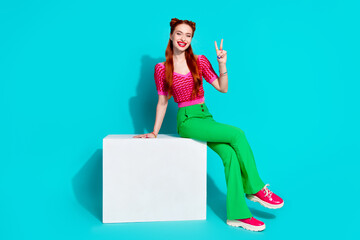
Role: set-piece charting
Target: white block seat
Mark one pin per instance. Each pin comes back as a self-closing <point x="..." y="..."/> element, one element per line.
<point x="153" y="179"/>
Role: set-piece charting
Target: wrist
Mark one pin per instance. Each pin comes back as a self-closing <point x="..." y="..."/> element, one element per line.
<point x="222" y="74"/>
<point x="154" y="133"/>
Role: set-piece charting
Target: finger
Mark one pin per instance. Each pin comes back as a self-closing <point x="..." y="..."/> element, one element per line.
<point x="221" y="44"/>
<point x="216" y="47"/>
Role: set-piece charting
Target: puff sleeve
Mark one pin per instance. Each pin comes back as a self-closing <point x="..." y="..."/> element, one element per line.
<point x="159" y="76"/>
<point x="207" y="70"/>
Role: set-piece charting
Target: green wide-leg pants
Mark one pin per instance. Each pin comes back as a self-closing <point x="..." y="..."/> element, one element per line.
<point x="231" y="145"/>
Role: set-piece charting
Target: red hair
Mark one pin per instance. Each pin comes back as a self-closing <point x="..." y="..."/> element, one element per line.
<point x="190" y="60"/>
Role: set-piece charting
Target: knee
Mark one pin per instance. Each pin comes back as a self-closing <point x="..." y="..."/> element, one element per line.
<point x="240" y="133"/>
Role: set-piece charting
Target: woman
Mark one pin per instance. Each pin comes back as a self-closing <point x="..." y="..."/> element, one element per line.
<point x="181" y="76"/>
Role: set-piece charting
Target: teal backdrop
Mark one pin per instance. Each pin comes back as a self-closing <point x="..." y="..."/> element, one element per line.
<point x="73" y="72"/>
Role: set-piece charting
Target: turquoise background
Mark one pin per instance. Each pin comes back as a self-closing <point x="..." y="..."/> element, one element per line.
<point x="73" y="72"/>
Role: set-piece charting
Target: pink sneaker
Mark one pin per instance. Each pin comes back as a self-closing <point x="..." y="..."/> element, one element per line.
<point x="266" y="198"/>
<point x="251" y="224"/>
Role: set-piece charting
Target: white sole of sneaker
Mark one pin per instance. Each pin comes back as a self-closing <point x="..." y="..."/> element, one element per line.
<point x="265" y="204"/>
<point x="236" y="223"/>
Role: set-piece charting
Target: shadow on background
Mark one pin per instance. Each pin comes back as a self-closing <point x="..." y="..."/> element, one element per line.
<point x="216" y="199"/>
<point x="87" y="185"/>
<point x="143" y="105"/>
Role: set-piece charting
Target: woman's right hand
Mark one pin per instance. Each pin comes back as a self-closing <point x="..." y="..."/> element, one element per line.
<point x="147" y="135"/>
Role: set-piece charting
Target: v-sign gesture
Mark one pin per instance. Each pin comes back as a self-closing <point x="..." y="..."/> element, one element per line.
<point x="221" y="54"/>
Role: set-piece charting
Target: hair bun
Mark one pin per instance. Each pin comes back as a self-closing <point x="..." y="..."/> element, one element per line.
<point x="192" y="24"/>
<point x="173" y="21"/>
<point x="176" y="21"/>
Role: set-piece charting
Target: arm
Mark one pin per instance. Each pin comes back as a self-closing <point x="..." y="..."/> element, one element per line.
<point x="160" y="114"/>
<point x="159" y="76"/>
<point x="221" y="83"/>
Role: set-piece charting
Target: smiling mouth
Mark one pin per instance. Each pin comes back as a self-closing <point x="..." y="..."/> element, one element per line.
<point x="181" y="44"/>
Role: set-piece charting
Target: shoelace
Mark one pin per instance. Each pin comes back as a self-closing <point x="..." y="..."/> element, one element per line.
<point x="267" y="191"/>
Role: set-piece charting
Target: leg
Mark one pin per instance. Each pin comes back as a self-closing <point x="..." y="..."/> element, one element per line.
<point x="235" y="201"/>
<point x="207" y="129"/>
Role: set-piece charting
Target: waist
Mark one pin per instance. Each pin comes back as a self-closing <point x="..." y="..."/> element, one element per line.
<point x="191" y="102"/>
<point x="195" y="110"/>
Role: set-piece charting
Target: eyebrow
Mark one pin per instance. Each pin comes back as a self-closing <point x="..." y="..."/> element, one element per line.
<point x="180" y="31"/>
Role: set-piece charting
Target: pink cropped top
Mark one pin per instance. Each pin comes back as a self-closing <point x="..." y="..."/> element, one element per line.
<point x="183" y="84"/>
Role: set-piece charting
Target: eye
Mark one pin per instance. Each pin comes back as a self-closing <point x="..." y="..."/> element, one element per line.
<point x="178" y="33"/>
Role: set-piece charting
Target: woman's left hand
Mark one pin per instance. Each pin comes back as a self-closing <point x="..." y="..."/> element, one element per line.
<point x="221" y="54"/>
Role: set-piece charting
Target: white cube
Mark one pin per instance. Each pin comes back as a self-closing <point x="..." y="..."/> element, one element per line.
<point x="153" y="179"/>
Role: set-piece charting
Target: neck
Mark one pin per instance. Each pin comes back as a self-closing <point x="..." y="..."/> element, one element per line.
<point x="178" y="56"/>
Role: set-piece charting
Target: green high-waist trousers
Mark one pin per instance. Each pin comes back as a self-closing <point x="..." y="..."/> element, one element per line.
<point x="231" y="145"/>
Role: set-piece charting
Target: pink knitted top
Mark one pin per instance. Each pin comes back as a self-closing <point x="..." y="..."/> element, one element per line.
<point x="183" y="84"/>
